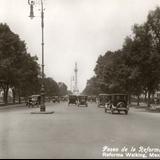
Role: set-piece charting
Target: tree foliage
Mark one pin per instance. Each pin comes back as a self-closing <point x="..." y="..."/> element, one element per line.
<point x="135" y="68"/>
<point x="18" y="69"/>
<point x="62" y="89"/>
<point x="51" y="87"/>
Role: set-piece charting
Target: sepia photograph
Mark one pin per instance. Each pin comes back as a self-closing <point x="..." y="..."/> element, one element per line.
<point x="79" y="79"/>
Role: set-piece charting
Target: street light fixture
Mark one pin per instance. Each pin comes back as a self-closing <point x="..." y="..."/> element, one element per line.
<point x="32" y="3"/>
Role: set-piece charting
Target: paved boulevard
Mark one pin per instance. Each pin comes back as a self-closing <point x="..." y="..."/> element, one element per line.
<point x="73" y="132"/>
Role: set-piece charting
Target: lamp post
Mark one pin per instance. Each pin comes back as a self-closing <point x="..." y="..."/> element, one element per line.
<point x="32" y="3"/>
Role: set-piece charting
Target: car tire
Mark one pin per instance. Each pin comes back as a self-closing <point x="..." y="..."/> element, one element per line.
<point x="126" y="112"/>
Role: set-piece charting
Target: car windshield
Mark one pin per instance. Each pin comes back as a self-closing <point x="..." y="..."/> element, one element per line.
<point x="117" y="98"/>
<point x="72" y="97"/>
<point x="83" y="97"/>
<point x="121" y="97"/>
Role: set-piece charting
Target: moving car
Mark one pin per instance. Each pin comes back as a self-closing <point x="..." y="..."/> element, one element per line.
<point x="72" y="100"/>
<point x="82" y="101"/>
<point x="34" y="100"/>
<point x="118" y="103"/>
<point x="55" y="99"/>
<point x="92" y="99"/>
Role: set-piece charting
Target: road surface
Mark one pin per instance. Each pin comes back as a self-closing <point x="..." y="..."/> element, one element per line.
<point x="73" y="132"/>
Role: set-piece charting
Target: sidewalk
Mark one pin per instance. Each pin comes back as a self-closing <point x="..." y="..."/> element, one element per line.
<point x="11" y="106"/>
<point x="153" y="107"/>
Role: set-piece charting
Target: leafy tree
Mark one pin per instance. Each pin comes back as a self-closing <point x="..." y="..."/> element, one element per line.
<point x="112" y="73"/>
<point x="136" y="67"/>
<point x="51" y="87"/>
<point x="92" y="87"/>
<point x="144" y="60"/>
<point x="62" y="89"/>
<point x="18" y="70"/>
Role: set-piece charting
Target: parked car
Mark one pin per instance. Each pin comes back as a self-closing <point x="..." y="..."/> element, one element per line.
<point x="72" y="100"/>
<point x="118" y="103"/>
<point x="82" y="101"/>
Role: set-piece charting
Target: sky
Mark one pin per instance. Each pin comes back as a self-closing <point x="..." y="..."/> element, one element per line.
<point x="75" y="31"/>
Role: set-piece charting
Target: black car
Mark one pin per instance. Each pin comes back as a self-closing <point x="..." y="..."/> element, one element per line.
<point x="33" y="101"/>
<point x="82" y="101"/>
<point x="117" y="103"/>
<point x="72" y="100"/>
<point x="55" y="99"/>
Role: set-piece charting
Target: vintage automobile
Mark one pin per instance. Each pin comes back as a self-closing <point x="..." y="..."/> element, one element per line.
<point x="64" y="98"/>
<point x="72" y="100"/>
<point x="82" y="101"/>
<point x="34" y="100"/>
<point x="118" y="103"/>
<point x="55" y="99"/>
<point x="92" y="99"/>
<point x="103" y="99"/>
<point x="89" y="98"/>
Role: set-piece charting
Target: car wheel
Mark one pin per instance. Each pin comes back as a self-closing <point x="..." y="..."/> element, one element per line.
<point x="126" y="112"/>
<point x="105" y="110"/>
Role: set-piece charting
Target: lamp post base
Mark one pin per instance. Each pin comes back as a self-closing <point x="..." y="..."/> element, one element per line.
<point x="42" y="108"/>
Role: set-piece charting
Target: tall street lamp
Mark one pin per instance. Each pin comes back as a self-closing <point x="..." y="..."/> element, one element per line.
<point x="32" y="3"/>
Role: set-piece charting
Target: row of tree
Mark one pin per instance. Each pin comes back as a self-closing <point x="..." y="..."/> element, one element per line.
<point x="134" y="69"/>
<point x="19" y="71"/>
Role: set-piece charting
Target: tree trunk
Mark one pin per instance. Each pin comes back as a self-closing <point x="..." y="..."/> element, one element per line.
<point x="149" y="99"/>
<point x="19" y="99"/>
<point x="138" y="100"/>
<point x="14" y="96"/>
<point x="5" y="96"/>
<point x="129" y="98"/>
<point x="145" y="98"/>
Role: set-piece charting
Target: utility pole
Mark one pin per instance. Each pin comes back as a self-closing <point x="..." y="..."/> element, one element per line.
<point x="32" y="3"/>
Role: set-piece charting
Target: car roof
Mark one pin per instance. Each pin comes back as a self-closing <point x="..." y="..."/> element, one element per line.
<point x="104" y="94"/>
<point x="35" y="95"/>
<point x="119" y="94"/>
<point x="82" y="96"/>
